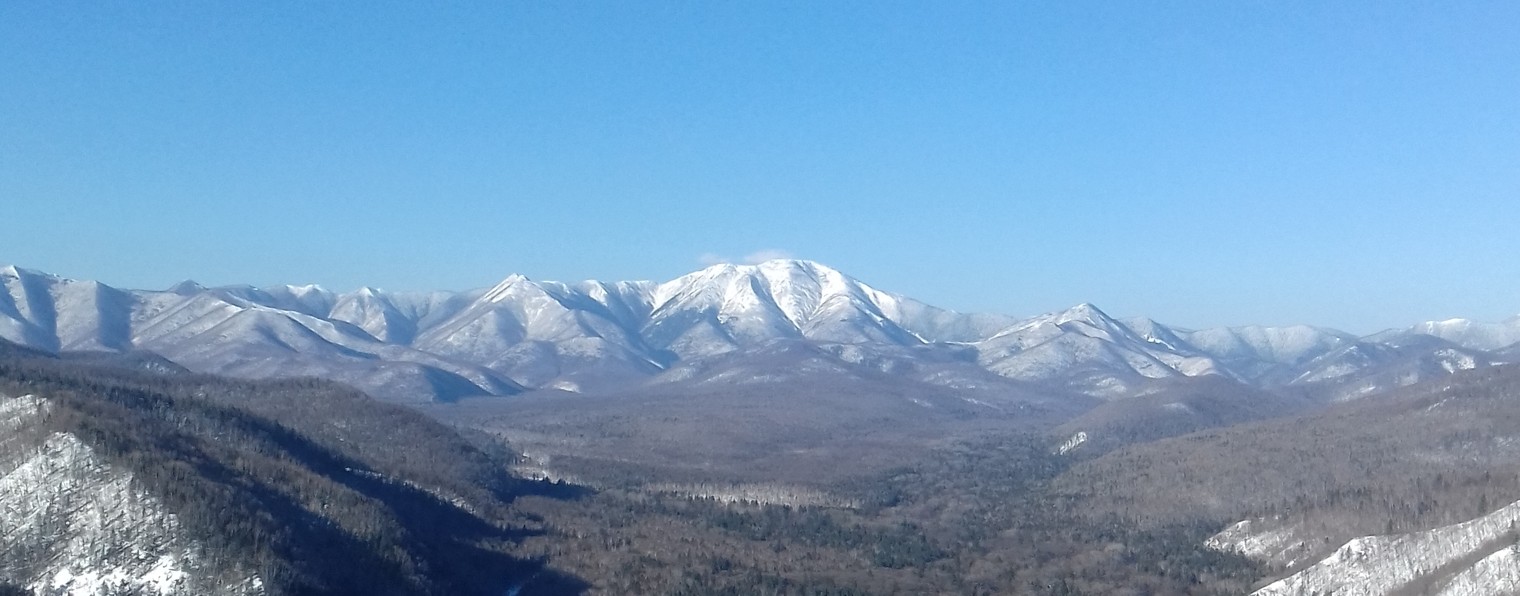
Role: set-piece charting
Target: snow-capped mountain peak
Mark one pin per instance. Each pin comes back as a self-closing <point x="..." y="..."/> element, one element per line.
<point x="727" y="306"/>
<point x="503" y="289"/>
<point x="1085" y="312"/>
<point x="306" y="289"/>
<point x="801" y="285"/>
<point x="186" y="288"/>
<point x="1092" y="321"/>
<point x="1084" y="318"/>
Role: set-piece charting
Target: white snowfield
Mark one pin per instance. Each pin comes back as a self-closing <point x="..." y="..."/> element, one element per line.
<point x="1473" y="558"/>
<point x="80" y="526"/>
<point x="587" y="335"/>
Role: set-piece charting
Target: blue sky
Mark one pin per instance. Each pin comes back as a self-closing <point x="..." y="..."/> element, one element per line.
<point x="1351" y="164"/>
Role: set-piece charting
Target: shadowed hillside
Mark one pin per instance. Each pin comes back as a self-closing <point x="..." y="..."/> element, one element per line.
<point x="281" y="487"/>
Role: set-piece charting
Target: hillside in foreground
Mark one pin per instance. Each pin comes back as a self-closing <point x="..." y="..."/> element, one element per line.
<point x="118" y="481"/>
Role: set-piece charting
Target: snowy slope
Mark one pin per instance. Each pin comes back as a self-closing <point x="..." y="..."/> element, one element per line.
<point x="542" y="333"/>
<point x="1375" y="565"/>
<point x="1498" y="573"/>
<point x="1266" y="355"/>
<point x="374" y="312"/>
<point x="1472" y="335"/>
<point x="76" y="525"/>
<point x="724" y="307"/>
<point x="1090" y="351"/>
<point x="1363" y="368"/>
<point x="210" y="334"/>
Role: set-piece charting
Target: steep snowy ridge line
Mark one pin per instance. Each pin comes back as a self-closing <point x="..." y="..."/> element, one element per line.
<point x="587" y="335"/>
<point x="1468" y="558"/>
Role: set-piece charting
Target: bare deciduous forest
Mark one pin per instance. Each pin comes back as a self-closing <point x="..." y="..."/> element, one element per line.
<point x="317" y="488"/>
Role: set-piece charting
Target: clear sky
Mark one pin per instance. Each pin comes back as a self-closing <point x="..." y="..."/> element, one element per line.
<point x="1350" y="164"/>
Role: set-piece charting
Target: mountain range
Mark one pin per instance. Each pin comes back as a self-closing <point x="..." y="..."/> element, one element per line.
<point x="595" y="336"/>
<point x="778" y="428"/>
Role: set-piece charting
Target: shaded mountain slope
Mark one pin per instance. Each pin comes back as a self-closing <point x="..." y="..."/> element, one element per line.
<point x="1178" y="406"/>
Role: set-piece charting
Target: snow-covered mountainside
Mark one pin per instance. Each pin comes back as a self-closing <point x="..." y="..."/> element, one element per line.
<point x="1476" y="557"/>
<point x="1084" y="347"/>
<point x="1472" y="334"/>
<point x="593" y="335"/>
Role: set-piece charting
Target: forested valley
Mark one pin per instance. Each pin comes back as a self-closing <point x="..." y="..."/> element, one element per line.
<point x="313" y="487"/>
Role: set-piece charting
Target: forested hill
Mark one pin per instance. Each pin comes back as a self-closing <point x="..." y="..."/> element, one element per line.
<point x="208" y="485"/>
